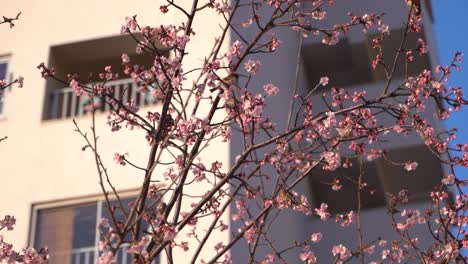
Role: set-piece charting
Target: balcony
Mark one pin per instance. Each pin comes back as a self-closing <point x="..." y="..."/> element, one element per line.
<point x="89" y="255"/>
<point x="64" y="103"/>
<point x="87" y="59"/>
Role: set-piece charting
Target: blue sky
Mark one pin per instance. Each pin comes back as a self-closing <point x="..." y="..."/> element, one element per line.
<point x="450" y="23"/>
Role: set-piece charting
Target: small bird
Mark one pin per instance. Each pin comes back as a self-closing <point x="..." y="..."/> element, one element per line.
<point x="161" y="208"/>
<point x="230" y="103"/>
<point x="225" y="83"/>
<point x="414" y="6"/>
<point x="286" y="196"/>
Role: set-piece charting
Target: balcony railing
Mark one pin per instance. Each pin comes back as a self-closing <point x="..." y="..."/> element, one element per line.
<point x="89" y="255"/>
<point x="64" y="103"/>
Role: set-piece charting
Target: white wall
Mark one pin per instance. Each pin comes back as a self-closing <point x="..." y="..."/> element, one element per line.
<point x="42" y="160"/>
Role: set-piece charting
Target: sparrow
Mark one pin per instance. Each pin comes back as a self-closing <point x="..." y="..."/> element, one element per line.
<point x="414" y="6"/>
<point x="286" y="196"/>
<point x="161" y="208"/>
<point x="225" y="83"/>
<point x="230" y="103"/>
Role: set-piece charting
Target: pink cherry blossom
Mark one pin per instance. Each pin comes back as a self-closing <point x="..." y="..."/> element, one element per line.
<point x="270" y="89"/>
<point x="76" y="87"/>
<point x="119" y="159"/>
<point x="8" y="222"/>
<point x="316" y="237"/>
<point x="410" y="166"/>
<point x="307" y="256"/>
<point x="324" y="81"/>
<point x="322" y="212"/>
<point x="253" y="67"/>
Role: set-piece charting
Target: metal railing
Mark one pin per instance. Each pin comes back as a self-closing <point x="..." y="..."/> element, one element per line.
<point x="64" y="103"/>
<point x="89" y="255"/>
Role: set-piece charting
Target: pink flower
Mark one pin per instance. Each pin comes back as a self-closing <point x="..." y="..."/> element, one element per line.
<point x="270" y="89"/>
<point x="223" y="227"/>
<point x="104" y="222"/>
<point x="307" y="256"/>
<point x="319" y="15"/>
<point x="270" y="258"/>
<point x="316" y="237"/>
<point x="184" y="246"/>
<point x="332" y="159"/>
<point x="384" y="29"/>
<point x="8" y="222"/>
<point x="139" y="247"/>
<point x="219" y="246"/>
<point x="253" y="67"/>
<point x="76" y="87"/>
<point x="30" y="256"/>
<point x="342" y="251"/>
<point x="331" y="39"/>
<point x="163" y="9"/>
<point x="345" y="220"/>
<point x="130" y="24"/>
<point x="227" y="259"/>
<point x="324" y="81"/>
<point x="449" y="179"/>
<point x="322" y="211"/>
<point x="236" y="48"/>
<point x="101" y="245"/>
<point x="274" y="43"/>
<point x="247" y="22"/>
<point x="107" y="258"/>
<point x="422" y="47"/>
<point x="249" y="234"/>
<point x="336" y="185"/>
<point x="169" y="233"/>
<point x="374" y="154"/>
<point x="125" y="58"/>
<point x="119" y="159"/>
<point x="410" y="166"/>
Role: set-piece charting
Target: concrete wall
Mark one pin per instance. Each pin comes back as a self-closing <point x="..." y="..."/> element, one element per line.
<point x="279" y="69"/>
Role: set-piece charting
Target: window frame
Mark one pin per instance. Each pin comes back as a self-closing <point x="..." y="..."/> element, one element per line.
<point x="389" y="175"/>
<point x="99" y="199"/>
<point x="5" y="59"/>
<point x="313" y="182"/>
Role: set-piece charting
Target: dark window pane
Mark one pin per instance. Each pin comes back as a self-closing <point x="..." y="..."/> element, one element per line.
<point x="119" y="213"/>
<point x="84" y="226"/>
<point x="3" y="69"/>
<point x="117" y="209"/>
<point x="346" y="199"/>
<point x="419" y="182"/>
<point x="390" y="46"/>
<point x="65" y="229"/>
<point x="348" y="63"/>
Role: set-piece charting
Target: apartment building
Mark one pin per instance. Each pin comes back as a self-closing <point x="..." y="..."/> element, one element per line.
<point x="50" y="185"/>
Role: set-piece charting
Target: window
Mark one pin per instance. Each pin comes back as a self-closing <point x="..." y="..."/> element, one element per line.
<point x="390" y="46"/>
<point x="3" y="76"/>
<point x="419" y="182"/>
<point x="88" y="59"/>
<point x="346" y="199"/>
<point x="347" y="63"/>
<point x="71" y="231"/>
<point x="350" y="63"/>
<point x="381" y="177"/>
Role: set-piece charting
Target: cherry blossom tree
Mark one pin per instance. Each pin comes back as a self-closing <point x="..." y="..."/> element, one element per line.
<point x="274" y="158"/>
